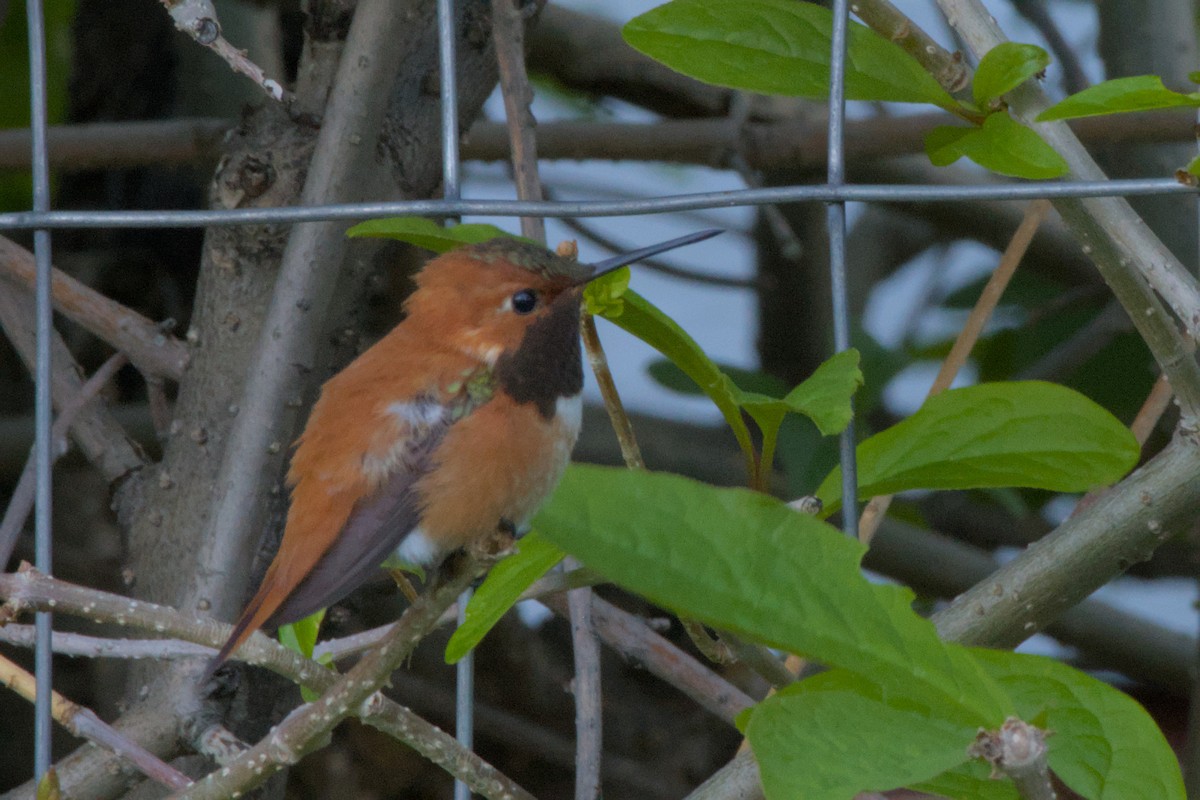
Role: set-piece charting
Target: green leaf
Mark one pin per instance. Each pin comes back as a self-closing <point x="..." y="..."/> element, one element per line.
<point x="647" y="322"/>
<point x="1028" y="433"/>
<point x="744" y="562"/>
<point x="824" y="398"/>
<point x="778" y="47"/>
<point x="1193" y="166"/>
<point x="1104" y="745"/>
<point x="602" y="296"/>
<point x="1001" y="144"/>
<point x="499" y="592"/>
<point x="301" y="636"/>
<point x="1005" y="67"/>
<point x="834" y="735"/>
<point x="1137" y="93"/>
<point x="669" y="376"/>
<point x="428" y="234"/>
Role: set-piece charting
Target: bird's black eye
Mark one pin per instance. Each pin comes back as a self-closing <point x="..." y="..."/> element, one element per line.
<point x="524" y="301"/>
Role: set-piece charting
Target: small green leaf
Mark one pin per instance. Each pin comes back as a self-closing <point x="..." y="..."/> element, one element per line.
<point x="1001" y="144"/>
<point x="1029" y="433"/>
<point x="1193" y="166"/>
<point x="301" y="636"/>
<point x="834" y="735"/>
<point x="824" y="397"/>
<point x="1104" y="745"/>
<point x="1137" y="93"/>
<point x="744" y="562"/>
<point x="428" y="234"/>
<point x="1005" y="67"/>
<point x="602" y="296"/>
<point x="778" y="47"/>
<point x="500" y="590"/>
<point x="1194" y="77"/>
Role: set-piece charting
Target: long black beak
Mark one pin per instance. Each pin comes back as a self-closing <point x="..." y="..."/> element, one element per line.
<point x="616" y="262"/>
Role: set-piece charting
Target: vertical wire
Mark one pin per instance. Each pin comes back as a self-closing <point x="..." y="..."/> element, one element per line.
<point x="836" y="219"/>
<point x="464" y="694"/>
<point x="42" y="409"/>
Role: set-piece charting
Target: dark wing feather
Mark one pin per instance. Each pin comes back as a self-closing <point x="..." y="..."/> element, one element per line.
<point x="375" y="528"/>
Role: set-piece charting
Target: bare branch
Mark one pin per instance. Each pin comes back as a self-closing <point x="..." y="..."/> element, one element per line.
<point x="85" y="724"/>
<point x="151" y="349"/>
<point x="100" y="438"/>
<point x="198" y="19"/>
<point x="21" y="502"/>
<point x="1018" y="751"/>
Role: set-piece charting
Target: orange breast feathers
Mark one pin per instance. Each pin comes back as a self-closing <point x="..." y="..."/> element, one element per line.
<point x="499" y="463"/>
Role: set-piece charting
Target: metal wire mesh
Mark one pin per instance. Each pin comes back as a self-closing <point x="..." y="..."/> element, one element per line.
<point x="41" y="220"/>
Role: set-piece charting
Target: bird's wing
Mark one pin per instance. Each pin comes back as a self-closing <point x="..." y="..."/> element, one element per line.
<point x="374" y="526"/>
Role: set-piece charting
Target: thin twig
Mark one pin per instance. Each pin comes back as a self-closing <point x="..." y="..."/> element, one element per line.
<point x="357" y="692"/>
<point x="151" y="348"/>
<point x="636" y="642"/>
<point x="198" y="19"/>
<point x="21" y="502"/>
<point x="1155" y="405"/>
<point x="29" y="589"/>
<point x="98" y="435"/>
<point x="1018" y="751"/>
<point x="84" y="723"/>
<point x="509" y="37"/>
<point x="949" y="69"/>
<point x="989" y="298"/>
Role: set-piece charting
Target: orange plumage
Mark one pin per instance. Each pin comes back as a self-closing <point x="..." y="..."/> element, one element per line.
<point x="460" y="420"/>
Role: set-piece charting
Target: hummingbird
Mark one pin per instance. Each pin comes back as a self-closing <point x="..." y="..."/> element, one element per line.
<point x="458" y="422"/>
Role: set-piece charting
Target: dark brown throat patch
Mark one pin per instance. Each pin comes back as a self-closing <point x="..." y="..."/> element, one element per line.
<point x="548" y="363"/>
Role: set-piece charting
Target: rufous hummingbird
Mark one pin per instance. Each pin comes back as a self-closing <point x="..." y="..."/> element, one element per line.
<point x="459" y="421"/>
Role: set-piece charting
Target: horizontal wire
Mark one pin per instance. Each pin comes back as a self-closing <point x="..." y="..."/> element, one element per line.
<point x="898" y="193"/>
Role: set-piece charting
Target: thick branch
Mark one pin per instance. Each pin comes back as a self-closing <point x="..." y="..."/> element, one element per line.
<point x="1132" y="260"/>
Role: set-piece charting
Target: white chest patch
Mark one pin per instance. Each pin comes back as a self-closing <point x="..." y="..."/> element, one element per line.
<point x="568" y="411"/>
<point x="419" y="549"/>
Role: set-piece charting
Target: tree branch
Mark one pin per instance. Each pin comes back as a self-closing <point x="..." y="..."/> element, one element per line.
<point x="151" y="349"/>
<point x="1132" y="260"/>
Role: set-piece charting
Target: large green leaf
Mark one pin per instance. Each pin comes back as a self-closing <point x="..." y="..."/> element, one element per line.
<point x="1137" y="93"/>
<point x="500" y="591"/>
<point x="1105" y="746"/>
<point x="1005" y="67"/>
<point x="428" y="234"/>
<point x="1029" y="433"/>
<point x="778" y="47"/>
<point x="744" y="562"/>
<point x="1001" y="144"/>
<point x="835" y="735"/>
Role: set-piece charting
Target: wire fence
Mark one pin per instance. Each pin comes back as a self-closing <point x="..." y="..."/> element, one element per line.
<point x="835" y="192"/>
